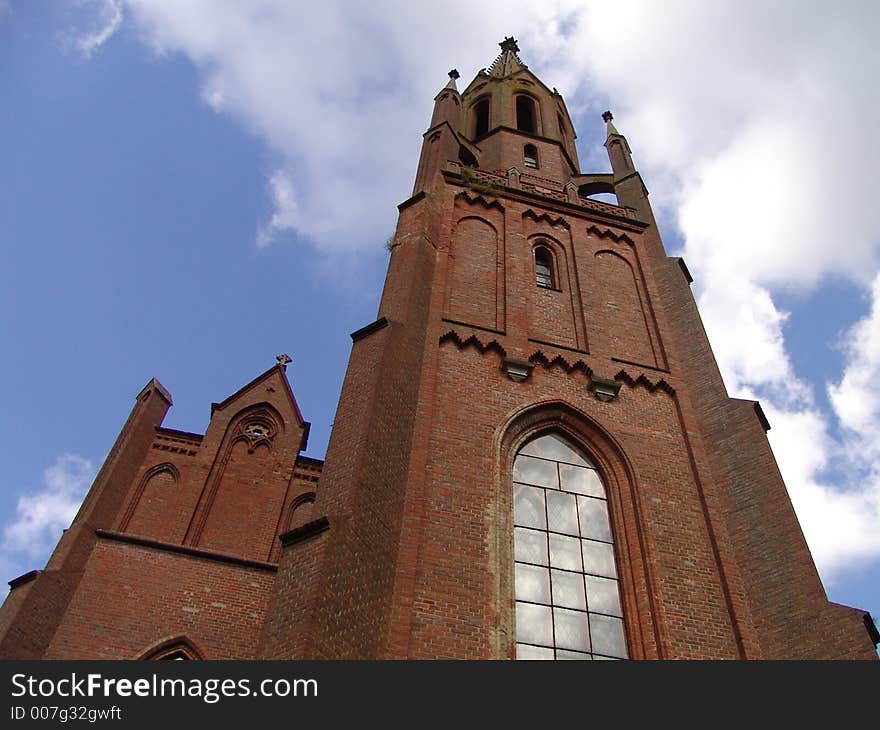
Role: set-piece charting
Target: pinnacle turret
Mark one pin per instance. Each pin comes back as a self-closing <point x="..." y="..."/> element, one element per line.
<point x="611" y="130"/>
<point x="453" y="75"/>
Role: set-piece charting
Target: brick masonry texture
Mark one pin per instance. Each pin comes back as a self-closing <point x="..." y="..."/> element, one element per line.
<point x="400" y="544"/>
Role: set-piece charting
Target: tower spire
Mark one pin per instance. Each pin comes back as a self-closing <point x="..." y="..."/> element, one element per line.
<point x="508" y="61"/>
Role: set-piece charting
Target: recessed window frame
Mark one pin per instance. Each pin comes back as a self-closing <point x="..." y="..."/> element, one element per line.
<point x="526" y="104"/>
<point x="530" y="156"/>
<point x="482" y="116"/>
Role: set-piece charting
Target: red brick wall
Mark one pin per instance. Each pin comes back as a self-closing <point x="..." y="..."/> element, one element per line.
<point x="130" y="597"/>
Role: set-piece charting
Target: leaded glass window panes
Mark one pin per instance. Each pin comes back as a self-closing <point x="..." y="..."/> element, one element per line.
<point x="566" y="580"/>
<point x="543" y="268"/>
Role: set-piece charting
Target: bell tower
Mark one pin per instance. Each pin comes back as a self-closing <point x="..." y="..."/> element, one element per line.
<point x="534" y="454"/>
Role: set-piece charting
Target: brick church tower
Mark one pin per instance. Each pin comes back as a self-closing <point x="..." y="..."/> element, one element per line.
<point x="533" y="455"/>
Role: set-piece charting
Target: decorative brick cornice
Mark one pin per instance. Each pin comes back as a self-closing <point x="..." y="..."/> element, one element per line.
<point x="643" y="381"/>
<point x="557" y="201"/>
<point x="166" y="442"/>
<point x="472" y="341"/>
<point x="557" y="221"/>
<point x="304" y="532"/>
<point x="606" y="233"/>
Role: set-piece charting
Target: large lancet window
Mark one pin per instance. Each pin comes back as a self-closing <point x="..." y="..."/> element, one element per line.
<point x="567" y="594"/>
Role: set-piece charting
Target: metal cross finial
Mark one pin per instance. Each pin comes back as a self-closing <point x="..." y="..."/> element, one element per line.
<point x="454" y="74"/>
<point x="283" y="359"/>
<point x="607" y="116"/>
<point x="509" y="44"/>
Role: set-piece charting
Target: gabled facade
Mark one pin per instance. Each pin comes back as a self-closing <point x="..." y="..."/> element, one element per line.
<point x="533" y="455"/>
<point x="174" y="552"/>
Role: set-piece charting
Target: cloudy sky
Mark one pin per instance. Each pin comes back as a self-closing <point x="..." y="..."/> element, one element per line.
<point x="190" y="187"/>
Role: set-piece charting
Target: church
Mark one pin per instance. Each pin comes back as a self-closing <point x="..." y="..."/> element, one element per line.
<point x="533" y="456"/>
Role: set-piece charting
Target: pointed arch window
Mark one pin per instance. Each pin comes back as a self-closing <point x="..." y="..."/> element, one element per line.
<point x="567" y="590"/>
<point x="530" y="156"/>
<point x="544" y="267"/>
<point x="177" y="649"/>
<point x="178" y="655"/>
<point x="525" y="114"/>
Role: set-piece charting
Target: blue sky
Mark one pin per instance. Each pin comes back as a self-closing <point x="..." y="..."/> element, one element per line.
<point x="189" y="188"/>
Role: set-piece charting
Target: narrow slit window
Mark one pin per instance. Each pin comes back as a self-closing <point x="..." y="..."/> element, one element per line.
<point x="525" y="114"/>
<point x="530" y="156"/>
<point x="481" y="117"/>
<point x="543" y="267"/>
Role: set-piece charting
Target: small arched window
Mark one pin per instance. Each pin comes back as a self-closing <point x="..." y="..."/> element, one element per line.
<point x="481" y="117"/>
<point x="525" y="114"/>
<point x="530" y="156"/>
<point x="561" y="122"/>
<point x="543" y="267"/>
<point x="567" y="594"/>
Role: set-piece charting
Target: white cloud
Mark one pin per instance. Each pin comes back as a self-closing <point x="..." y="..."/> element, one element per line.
<point x="752" y="122"/>
<point x="840" y="523"/>
<point x="341" y="94"/>
<point x="752" y="127"/>
<point x="108" y="18"/>
<point x="284" y="216"/>
<point x="41" y="516"/>
<point x="855" y="398"/>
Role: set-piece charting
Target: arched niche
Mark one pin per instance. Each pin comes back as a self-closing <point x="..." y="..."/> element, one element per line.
<point x="473" y="273"/>
<point x="153" y="505"/>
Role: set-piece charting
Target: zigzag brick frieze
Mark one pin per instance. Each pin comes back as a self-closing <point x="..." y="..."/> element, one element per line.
<point x="472" y="341"/>
<point x="607" y="233"/>
<point x="544" y="217"/>
<point x="643" y="381"/>
<point x="477" y="198"/>
<point x="539" y="358"/>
